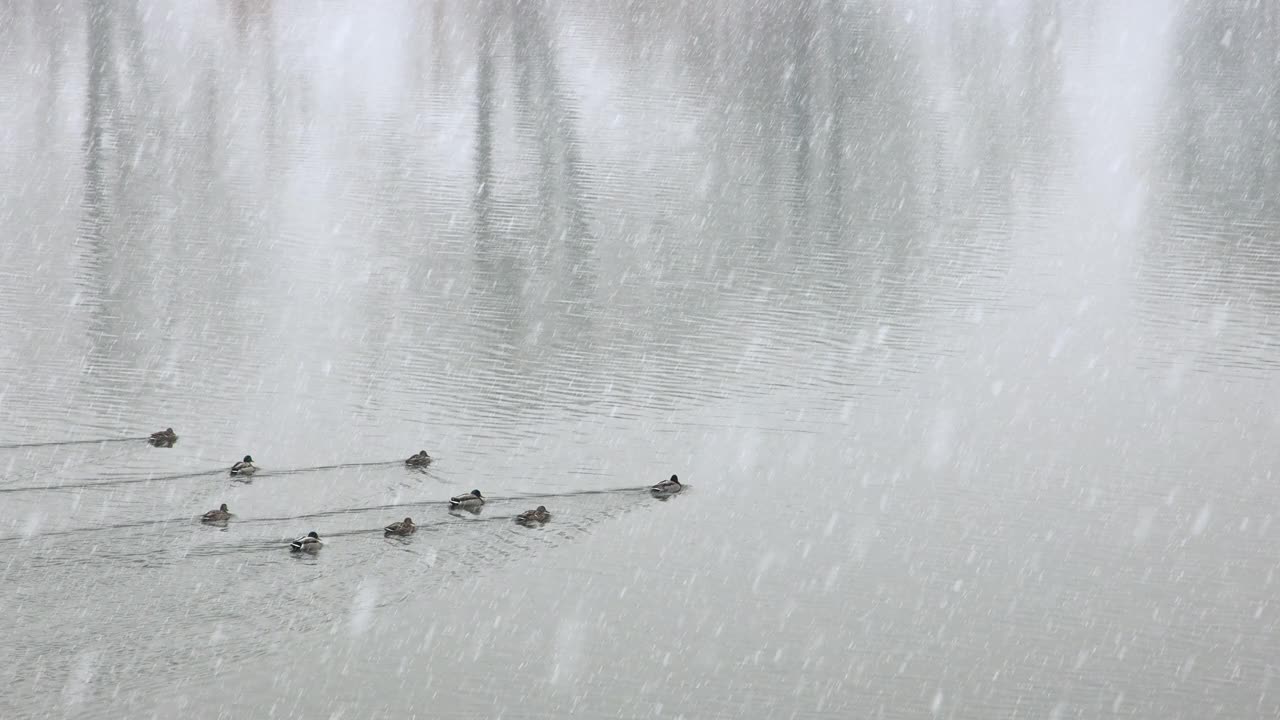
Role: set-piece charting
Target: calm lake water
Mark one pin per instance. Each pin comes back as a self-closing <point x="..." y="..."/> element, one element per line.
<point x="961" y="320"/>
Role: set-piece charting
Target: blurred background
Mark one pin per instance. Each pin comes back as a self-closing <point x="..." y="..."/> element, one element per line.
<point x="959" y="318"/>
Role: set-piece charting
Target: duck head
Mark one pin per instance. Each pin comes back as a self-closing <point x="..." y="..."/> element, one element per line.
<point x="223" y="508"/>
<point x="313" y="534"/>
<point x="477" y="493"/>
<point x="248" y="458"/>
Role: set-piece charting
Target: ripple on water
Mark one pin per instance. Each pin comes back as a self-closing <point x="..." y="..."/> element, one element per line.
<point x="575" y="247"/>
<point x="212" y="578"/>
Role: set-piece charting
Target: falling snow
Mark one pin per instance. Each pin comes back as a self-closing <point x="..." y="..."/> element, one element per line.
<point x="954" y="319"/>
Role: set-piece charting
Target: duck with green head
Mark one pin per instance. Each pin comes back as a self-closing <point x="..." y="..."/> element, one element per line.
<point x="470" y="501"/>
<point x="308" y="543"/>
<point x="670" y="486"/>
<point x="244" y="467"/>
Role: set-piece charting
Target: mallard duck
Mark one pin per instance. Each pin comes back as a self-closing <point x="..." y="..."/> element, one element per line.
<point x="309" y="543"/>
<point x="472" y="500"/>
<point x="422" y="459"/>
<point x="219" y="515"/>
<point x="165" y="438"/>
<point x="244" y="467"/>
<point x="401" y="527"/>
<point x="534" y="517"/>
<point x="667" y="487"/>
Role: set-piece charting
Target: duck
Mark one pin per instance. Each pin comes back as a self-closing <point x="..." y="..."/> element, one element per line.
<point x="401" y="527"/>
<point x="219" y="515"/>
<point x="308" y="543"/>
<point x="244" y="467"/>
<point x="422" y="459"/>
<point x="667" y="487"/>
<point x="165" y="438"/>
<point x="534" y="517"/>
<point x="470" y="501"/>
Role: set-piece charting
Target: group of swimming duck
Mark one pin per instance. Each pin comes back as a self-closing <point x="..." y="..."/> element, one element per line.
<point x="471" y="501"/>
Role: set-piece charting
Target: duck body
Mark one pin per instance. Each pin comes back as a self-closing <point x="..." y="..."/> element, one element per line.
<point x="670" y="486"/>
<point x="307" y="543"/>
<point x="244" y="467"/>
<point x="472" y="500"/>
<point x="534" y="517"/>
<point x="401" y="527"/>
<point x="421" y="459"/>
<point x="165" y="438"/>
<point x="219" y="515"/>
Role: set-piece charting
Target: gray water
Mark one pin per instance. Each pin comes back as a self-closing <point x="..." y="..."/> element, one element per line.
<point x="959" y="319"/>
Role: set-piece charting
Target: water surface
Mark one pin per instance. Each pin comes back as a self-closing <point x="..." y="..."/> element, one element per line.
<point x="958" y="318"/>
